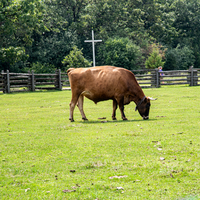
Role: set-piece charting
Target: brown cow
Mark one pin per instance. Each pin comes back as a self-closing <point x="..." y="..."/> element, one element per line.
<point x="104" y="83"/>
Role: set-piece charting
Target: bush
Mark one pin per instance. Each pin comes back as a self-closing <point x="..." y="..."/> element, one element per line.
<point x="179" y="58"/>
<point x="120" y="52"/>
<point x="42" y="68"/>
<point x="11" y="56"/>
<point x="75" y="59"/>
<point x="154" y="60"/>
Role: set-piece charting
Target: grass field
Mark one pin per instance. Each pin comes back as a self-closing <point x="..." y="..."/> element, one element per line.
<point x="44" y="156"/>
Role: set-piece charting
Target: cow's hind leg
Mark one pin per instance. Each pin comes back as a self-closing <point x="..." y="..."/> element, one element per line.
<point x="72" y="106"/>
<point x="80" y="106"/>
<point x="121" y="107"/>
<point x="114" y="109"/>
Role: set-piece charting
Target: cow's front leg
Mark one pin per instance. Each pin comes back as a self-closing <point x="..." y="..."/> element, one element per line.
<point x="80" y="106"/>
<point x="121" y="107"/>
<point x="114" y="109"/>
<point x="71" y="106"/>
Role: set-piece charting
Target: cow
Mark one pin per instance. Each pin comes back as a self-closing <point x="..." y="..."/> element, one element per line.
<point x="104" y="83"/>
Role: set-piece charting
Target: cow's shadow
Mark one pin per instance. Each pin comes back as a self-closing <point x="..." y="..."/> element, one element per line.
<point x="113" y="121"/>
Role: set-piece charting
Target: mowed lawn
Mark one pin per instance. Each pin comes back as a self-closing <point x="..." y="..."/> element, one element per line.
<point x="45" y="156"/>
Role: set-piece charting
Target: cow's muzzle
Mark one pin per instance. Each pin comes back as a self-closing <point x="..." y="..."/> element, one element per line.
<point x="145" y="117"/>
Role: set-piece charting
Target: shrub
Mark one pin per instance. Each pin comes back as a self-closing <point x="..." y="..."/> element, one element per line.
<point x="10" y="56"/>
<point x="42" y="68"/>
<point x="154" y="60"/>
<point x="75" y="59"/>
<point x="120" y="52"/>
<point x="180" y="58"/>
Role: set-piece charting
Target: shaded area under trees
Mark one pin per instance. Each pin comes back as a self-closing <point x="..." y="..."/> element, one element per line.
<point x="40" y="34"/>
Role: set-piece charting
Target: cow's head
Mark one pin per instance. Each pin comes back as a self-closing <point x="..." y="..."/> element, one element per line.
<point x="143" y="107"/>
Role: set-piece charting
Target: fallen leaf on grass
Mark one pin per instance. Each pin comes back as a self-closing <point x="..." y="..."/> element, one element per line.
<point x="27" y="189"/>
<point x="159" y="149"/>
<point x="136" y="181"/>
<point x="117" y="177"/>
<point x="75" y="187"/>
<point x="69" y="191"/>
<point x="102" y="118"/>
<point x="73" y="170"/>
<point x="120" y="188"/>
<point x="155" y="141"/>
<point x="161" y="158"/>
<point x="171" y="175"/>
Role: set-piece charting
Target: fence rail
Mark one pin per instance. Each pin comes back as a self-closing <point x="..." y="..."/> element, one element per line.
<point x="11" y="82"/>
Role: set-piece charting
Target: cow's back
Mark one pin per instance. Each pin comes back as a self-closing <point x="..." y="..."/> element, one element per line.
<point x="102" y="83"/>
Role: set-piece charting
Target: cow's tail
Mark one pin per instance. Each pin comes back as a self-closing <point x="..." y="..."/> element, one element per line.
<point x="69" y="70"/>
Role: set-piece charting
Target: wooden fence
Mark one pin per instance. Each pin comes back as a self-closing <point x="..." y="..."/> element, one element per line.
<point x="154" y="78"/>
<point x="11" y="82"/>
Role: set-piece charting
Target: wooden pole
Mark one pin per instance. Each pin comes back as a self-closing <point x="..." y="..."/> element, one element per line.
<point x="59" y="80"/>
<point x="8" y="82"/>
<point x="157" y="78"/>
<point x="195" y="78"/>
<point x="32" y="81"/>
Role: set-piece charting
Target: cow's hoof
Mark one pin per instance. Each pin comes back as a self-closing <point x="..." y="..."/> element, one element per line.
<point x="114" y="118"/>
<point x="72" y="120"/>
<point x="125" y="119"/>
<point x="85" y="119"/>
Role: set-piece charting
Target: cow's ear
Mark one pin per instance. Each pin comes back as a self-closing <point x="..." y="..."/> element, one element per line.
<point x="152" y="99"/>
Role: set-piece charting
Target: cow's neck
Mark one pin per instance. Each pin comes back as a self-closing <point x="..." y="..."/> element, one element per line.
<point x="138" y="97"/>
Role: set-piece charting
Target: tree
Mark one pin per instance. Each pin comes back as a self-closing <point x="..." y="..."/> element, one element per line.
<point x="10" y="56"/>
<point x="156" y="56"/>
<point x="120" y="52"/>
<point x="186" y="22"/>
<point x="62" y="19"/>
<point x="47" y="30"/>
<point x="51" y="47"/>
<point x="18" y="19"/>
<point x="41" y="68"/>
<point x="75" y="59"/>
<point x="154" y="60"/>
<point x="180" y="58"/>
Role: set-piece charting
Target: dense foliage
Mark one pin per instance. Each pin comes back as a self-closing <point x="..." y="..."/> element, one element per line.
<point x="42" y="33"/>
<point x="75" y="58"/>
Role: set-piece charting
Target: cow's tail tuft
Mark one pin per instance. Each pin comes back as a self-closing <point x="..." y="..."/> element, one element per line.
<point x="69" y="70"/>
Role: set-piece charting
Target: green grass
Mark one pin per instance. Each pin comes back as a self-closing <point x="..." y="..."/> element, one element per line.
<point x="44" y="156"/>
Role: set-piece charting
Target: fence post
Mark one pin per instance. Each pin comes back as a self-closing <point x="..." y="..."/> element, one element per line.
<point x="4" y="81"/>
<point x="195" y="78"/>
<point x="32" y="81"/>
<point x="59" y="79"/>
<point x="157" y="78"/>
<point x="7" y="82"/>
<point x="192" y="76"/>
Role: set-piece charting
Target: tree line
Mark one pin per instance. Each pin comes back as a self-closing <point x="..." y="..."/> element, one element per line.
<point x="50" y="34"/>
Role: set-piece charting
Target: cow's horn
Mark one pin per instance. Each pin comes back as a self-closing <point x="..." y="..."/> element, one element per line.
<point x="150" y="98"/>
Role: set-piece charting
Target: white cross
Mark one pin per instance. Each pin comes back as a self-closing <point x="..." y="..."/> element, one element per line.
<point x="93" y="41"/>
